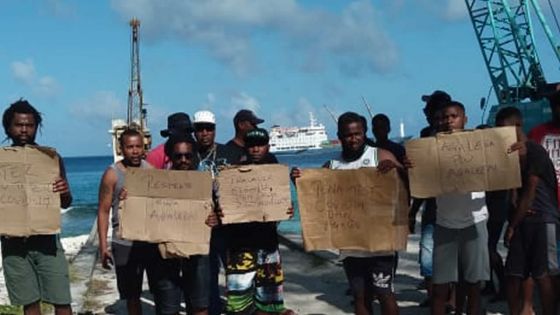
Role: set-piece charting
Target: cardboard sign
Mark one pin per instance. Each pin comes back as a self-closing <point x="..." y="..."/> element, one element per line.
<point x="166" y="206"/>
<point x="28" y="206"/>
<point x="255" y="193"/>
<point x="467" y="161"/>
<point x="177" y="250"/>
<point x="358" y="209"/>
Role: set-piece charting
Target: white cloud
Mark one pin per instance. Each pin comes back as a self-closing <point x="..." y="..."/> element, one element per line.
<point x="353" y="38"/>
<point x="43" y="86"/>
<point x="99" y="109"/>
<point x="455" y="10"/>
<point x="61" y="8"/>
<point x="47" y="86"/>
<point x="243" y="100"/>
<point x="24" y="71"/>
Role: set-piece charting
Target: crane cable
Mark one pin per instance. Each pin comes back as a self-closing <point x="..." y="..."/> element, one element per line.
<point x="554" y="15"/>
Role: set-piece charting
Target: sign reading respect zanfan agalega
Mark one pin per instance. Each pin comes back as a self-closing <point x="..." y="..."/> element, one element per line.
<point x="468" y="161"/>
<point x="166" y="206"/>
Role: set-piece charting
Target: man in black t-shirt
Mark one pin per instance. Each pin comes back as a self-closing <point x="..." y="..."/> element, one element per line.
<point x="243" y="122"/>
<point x="254" y="276"/>
<point x="381" y="127"/>
<point x="531" y="233"/>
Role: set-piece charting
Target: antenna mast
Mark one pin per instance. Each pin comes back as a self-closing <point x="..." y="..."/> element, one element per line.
<point x="367" y="107"/>
<point x="136" y="116"/>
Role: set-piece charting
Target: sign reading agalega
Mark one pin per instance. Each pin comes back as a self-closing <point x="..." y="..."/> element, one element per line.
<point x="467" y="161"/>
<point x="166" y="206"/>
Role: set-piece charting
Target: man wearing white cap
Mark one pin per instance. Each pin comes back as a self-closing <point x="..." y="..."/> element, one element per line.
<point x="212" y="155"/>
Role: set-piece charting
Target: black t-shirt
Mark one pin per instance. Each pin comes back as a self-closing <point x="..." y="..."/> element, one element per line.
<point x="233" y="152"/>
<point x="253" y="235"/>
<point x="539" y="164"/>
<point x="396" y="149"/>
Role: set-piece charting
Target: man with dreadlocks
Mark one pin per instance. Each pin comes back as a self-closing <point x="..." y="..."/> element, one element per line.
<point x="35" y="268"/>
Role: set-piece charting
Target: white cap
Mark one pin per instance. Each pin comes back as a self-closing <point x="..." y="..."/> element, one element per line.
<point x="204" y="117"/>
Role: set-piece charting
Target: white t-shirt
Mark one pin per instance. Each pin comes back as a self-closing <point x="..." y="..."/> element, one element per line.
<point x="368" y="159"/>
<point x="459" y="210"/>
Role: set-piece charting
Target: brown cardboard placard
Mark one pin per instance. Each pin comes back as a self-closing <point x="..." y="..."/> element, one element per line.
<point x="466" y="161"/>
<point x="255" y="193"/>
<point x="358" y="209"/>
<point x="166" y="206"/>
<point x="28" y="206"/>
<point x="170" y="250"/>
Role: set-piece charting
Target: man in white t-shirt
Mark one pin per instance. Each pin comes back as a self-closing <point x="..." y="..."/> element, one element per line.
<point x="460" y="236"/>
<point x="370" y="274"/>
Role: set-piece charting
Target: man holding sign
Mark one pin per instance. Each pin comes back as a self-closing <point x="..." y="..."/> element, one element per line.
<point x="254" y="275"/>
<point x="131" y="259"/>
<point x="35" y="267"/>
<point x="460" y="236"/>
<point x="369" y="273"/>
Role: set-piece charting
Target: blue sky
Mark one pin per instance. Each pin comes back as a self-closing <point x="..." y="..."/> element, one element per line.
<point x="281" y="58"/>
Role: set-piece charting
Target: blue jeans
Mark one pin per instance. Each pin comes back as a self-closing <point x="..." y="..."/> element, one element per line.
<point x="426" y="250"/>
<point x="217" y="258"/>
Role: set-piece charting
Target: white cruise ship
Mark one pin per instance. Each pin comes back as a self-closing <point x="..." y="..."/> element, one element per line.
<point x="296" y="139"/>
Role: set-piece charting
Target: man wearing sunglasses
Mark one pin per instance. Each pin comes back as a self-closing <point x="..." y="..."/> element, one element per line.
<point x="211" y="156"/>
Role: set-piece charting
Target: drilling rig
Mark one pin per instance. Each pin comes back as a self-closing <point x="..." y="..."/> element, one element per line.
<point x="136" y="111"/>
<point x="505" y="34"/>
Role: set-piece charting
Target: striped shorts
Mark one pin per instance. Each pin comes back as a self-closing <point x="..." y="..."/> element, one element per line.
<point x="254" y="281"/>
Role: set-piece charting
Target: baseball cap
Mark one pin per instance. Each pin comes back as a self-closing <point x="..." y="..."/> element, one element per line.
<point x="435" y="101"/>
<point x="247" y="115"/>
<point x="257" y="136"/>
<point x="204" y="117"/>
<point x="177" y="123"/>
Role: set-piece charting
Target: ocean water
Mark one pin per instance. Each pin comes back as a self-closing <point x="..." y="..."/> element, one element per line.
<point x="84" y="175"/>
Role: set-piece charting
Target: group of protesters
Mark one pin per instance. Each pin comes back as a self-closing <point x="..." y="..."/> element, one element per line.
<point x="459" y="231"/>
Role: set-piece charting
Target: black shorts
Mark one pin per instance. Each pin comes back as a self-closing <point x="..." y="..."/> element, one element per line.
<point x="529" y="248"/>
<point x="370" y="275"/>
<point x="195" y="280"/>
<point x="130" y="264"/>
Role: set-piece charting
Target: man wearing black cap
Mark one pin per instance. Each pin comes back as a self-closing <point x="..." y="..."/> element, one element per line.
<point x="434" y="104"/>
<point x="177" y="124"/>
<point x="254" y="276"/>
<point x="244" y="121"/>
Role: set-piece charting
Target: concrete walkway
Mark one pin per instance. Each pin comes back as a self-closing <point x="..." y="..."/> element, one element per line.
<point x="315" y="284"/>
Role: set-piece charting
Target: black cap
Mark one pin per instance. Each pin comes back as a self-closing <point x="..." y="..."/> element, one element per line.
<point x="247" y="115"/>
<point x="178" y="123"/>
<point x="435" y="101"/>
<point x="257" y="136"/>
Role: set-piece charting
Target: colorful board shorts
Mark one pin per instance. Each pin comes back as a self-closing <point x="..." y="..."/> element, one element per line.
<point x="36" y="269"/>
<point x="254" y="282"/>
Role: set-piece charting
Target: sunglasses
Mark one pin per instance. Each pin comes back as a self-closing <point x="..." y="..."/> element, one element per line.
<point x="178" y="156"/>
<point x="202" y="127"/>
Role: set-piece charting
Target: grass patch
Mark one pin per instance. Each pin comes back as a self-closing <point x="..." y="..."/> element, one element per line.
<point x="18" y="310"/>
<point x="11" y="310"/>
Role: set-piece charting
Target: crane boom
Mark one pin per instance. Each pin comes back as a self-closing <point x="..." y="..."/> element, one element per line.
<point x="504" y="32"/>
